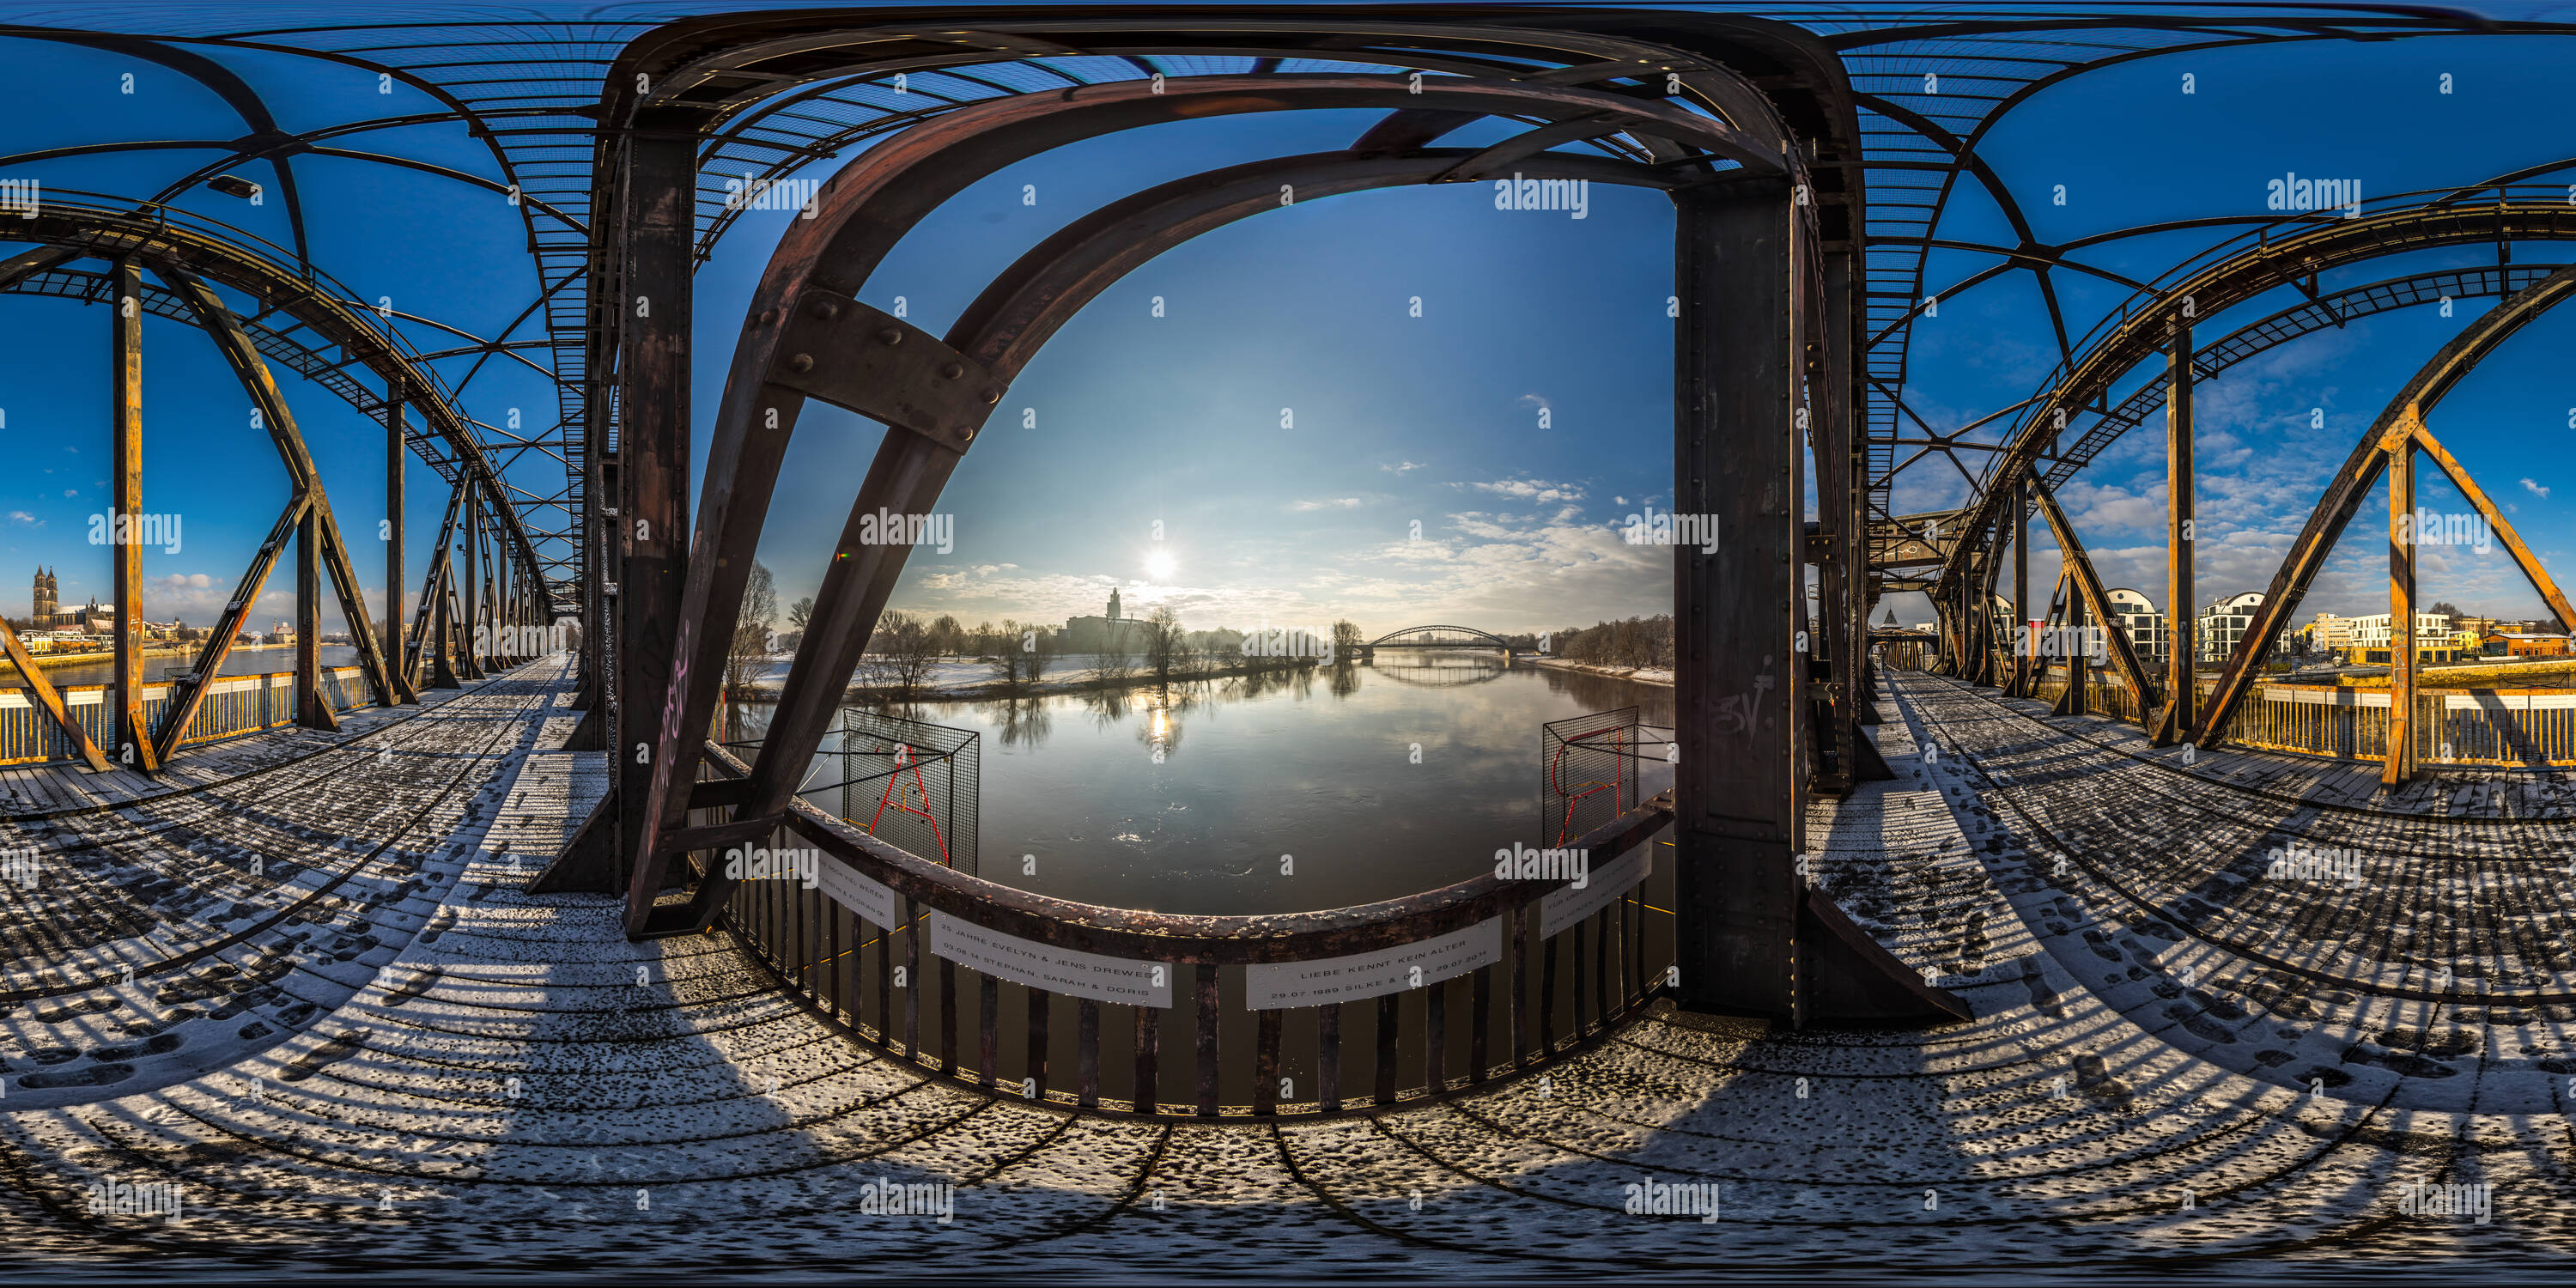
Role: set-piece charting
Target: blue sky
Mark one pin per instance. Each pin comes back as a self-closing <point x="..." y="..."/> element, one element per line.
<point x="1397" y="420"/>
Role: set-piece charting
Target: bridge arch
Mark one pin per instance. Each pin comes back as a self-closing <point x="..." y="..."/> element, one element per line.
<point x="1486" y="639"/>
<point x="1753" y="282"/>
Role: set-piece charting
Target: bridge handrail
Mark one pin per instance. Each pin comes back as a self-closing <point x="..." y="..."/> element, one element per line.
<point x="1206" y="943"/>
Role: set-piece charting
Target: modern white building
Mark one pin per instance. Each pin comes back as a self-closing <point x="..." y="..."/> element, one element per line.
<point x="2145" y="626"/>
<point x="2434" y="639"/>
<point x="2221" y="626"/>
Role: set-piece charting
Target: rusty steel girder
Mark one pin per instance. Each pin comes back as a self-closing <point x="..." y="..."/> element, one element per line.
<point x="2399" y="428"/>
<point x="65" y="231"/>
<point x="806" y="298"/>
<point x="2326" y="244"/>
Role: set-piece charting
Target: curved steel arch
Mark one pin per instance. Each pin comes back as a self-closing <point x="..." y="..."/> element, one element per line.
<point x="1383" y="641"/>
<point x="2216" y="287"/>
<point x="807" y="336"/>
<point x="2334" y="310"/>
<point x="2399" y="427"/>
<point x="1750" y="240"/>
<point x="65" y="231"/>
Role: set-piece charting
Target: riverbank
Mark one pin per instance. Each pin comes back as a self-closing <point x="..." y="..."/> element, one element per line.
<point x="958" y="680"/>
<point x="1640" y="674"/>
<point x="48" y="661"/>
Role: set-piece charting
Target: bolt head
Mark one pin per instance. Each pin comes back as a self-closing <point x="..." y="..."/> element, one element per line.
<point x="801" y="363"/>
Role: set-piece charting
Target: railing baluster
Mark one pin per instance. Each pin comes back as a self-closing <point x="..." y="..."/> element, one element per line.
<point x="1207" y="1040"/>
<point x="885" y="987"/>
<point x="1328" y="1055"/>
<point x="1520" y="988"/>
<point x="1149" y="1023"/>
<point x="988" y="1027"/>
<point x="1386" y="1017"/>
<point x="911" y="977"/>
<point x="1575" y="956"/>
<point x="1039" y="1000"/>
<point x="1086" y="1053"/>
<point x="1435" y="1049"/>
<point x="1480" y="1026"/>
<point x="1265" y="1066"/>
<point x="948" y="1018"/>
<point x="1547" y="1000"/>
<point x="1601" y="968"/>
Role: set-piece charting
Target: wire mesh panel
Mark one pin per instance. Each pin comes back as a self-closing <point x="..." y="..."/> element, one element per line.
<point x="1588" y="773"/>
<point x="913" y="785"/>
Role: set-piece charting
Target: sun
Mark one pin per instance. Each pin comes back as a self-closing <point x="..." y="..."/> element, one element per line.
<point x="1160" y="565"/>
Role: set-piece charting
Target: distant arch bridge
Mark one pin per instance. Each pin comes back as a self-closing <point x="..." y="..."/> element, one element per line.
<point x="1439" y="637"/>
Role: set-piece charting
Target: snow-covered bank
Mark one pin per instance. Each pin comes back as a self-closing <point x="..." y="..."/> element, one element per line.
<point x="1642" y="674"/>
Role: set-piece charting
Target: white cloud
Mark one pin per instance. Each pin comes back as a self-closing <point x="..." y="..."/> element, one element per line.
<point x="1531" y="490"/>
<point x="1336" y="503"/>
<point x="1401" y="466"/>
<point x="2535" y="489"/>
<point x="21" y="516"/>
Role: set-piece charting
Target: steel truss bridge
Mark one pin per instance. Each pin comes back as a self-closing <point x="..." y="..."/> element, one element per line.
<point x="1811" y="156"/>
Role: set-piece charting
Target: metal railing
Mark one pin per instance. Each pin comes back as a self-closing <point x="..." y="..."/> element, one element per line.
<point x="1541" y="971"/>
<point x="2514" y="727"/>
<point x="234" y="705"/>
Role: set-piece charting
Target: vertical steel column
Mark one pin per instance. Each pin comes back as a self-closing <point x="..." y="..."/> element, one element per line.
<point x="2182" y="691"/>
<point x="1736" y="457"/>
<point x="2021" y="588"/>
<point x="470" y="589"/>
<point x="396" y="458"/>
<point x="125" y="503"/>
<point x="2070" y="701"/>
<point x="312" y="709"/>
<point x="651" y="535"/>
<point x="2401" y="608"/>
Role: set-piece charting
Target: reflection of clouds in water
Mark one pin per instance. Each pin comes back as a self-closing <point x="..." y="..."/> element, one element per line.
<point x="1273" y="767"/>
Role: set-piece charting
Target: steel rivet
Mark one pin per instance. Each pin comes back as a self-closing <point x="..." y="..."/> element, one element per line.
<point x="992" y="395"/>
<point x="801" y="363"/>
<point x="825" y="309"/>
<point x="891" y="335"/>
<point x="952" y="371"/>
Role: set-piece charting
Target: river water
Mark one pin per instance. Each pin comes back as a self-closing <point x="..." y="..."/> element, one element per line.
<point x="1377" y="781"/>
<point x="243" y="660"/>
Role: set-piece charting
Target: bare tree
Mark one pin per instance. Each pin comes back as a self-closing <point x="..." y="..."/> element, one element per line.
<point x="910" y="653"/>
<point x="1115" y="659"/>
<point x="1037" y="648"/>
<point x="1165" y="646"/>
<point x="748" y="653"/>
